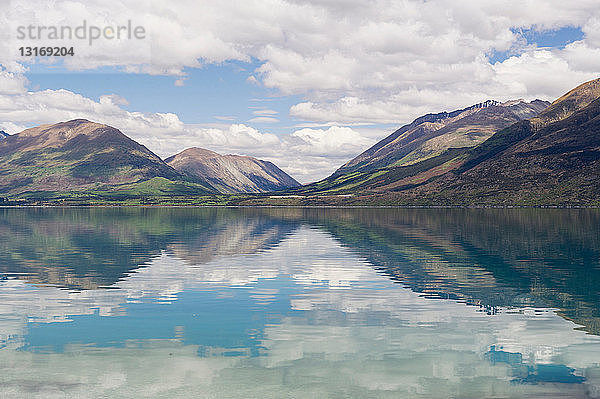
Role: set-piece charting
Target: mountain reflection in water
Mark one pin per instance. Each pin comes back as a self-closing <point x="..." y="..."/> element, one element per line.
<point x="261" y="302"/>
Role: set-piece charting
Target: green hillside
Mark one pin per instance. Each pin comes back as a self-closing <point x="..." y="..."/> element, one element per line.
<point x="81" y="157"/>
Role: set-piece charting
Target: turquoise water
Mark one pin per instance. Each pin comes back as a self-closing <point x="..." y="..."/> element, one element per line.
<point x="299" y="303"/>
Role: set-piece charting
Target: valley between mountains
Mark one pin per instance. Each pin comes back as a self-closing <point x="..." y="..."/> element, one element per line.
<point x="515" y="153"/>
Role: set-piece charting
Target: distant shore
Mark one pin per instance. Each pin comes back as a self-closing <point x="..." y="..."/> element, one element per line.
<point x="273" y="200"/>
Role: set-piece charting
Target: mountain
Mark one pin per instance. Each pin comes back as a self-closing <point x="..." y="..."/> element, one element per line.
<point x="429" y="146"/>
<point x="432" y="134"/>
<point x="3" y="134"/>
<point x="231" y="173"/>
<point x="552" y="158"/>
<point x="80" y="155"/>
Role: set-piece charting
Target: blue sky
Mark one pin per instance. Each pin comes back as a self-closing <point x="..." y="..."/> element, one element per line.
<point x="213" y="94"/>
<point x="214" y="90"/>
<point x="541" y="38"/>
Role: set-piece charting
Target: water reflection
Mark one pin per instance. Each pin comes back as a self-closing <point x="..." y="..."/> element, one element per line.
<point x="94" y="248"/>
<point x="299" y="303"/>
<point x="532" y="374"/>
<point x="498" y="257"/>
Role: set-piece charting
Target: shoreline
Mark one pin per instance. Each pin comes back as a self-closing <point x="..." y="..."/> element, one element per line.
<point x="311" y="206"/>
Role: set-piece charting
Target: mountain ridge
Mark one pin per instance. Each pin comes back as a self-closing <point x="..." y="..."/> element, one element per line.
<point x="432" y="134"/>
<point x="551" y="158"/>
<point x="570" y="102"/>
<point x="559" y="159"/>
<point x="84" y="156"/>
<point x="231" y="173"/>
<point x="79" y="155"/>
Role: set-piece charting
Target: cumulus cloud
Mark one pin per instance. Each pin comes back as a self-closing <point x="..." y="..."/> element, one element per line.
<point x="11" y="83"/>
<point x="341" y="140"/>
<point x="114" y="99"/>
<point x="306" y="154"/>
<point x="308" y="46"/>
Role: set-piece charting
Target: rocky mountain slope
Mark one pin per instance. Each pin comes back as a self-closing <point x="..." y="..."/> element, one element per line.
<point x="550" y="159"/>
<point x="80" y="155"/>
<point x="3" y="134"/>
<point x="231" y="173"/>
<point x="432" y="134"/>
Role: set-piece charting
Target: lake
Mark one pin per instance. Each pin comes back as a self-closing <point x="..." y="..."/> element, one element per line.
<point x="299" y="303"/>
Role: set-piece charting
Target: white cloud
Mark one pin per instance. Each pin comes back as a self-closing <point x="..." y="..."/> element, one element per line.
<point x="225" y="118"/>
<point x="307" y="46"/>
<point x="113" y="99"/>
<point x="541" y="73"/>
<point x="265" y="112"/>
<point x="263" y="119"/>
<point x="341" y="141"/>
<point x="252" y="79"/>
<point x="306" y="154"/>
<point x="11" y="83"/>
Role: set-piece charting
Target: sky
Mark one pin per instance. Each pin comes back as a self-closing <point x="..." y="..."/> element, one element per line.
<point x="307" y="85"/>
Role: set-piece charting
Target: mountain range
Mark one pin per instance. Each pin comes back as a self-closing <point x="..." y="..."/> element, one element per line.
<point x="432" y="134"/>
<point x="553" y="158"/>
<point x="83" y="157"/>
<point x="492" y="153"/>
<point x="534" y="154"/>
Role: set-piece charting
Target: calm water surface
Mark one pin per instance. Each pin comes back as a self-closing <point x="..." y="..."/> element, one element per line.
<point x="299" y="303"/>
